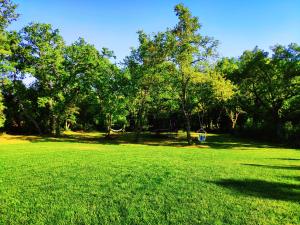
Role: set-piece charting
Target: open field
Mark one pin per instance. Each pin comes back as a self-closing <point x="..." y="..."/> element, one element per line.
<point x="82" y="179"/>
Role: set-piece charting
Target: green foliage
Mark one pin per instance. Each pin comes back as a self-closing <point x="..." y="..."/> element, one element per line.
<point x="81" y="63"/>
<point x="189" y="48"/>
<point x="267" y="86"/>
<point x="109" y="85"/>
<point x="169" y="62"/>
<point x="45" y="61"/>
<point x="149" y="84"/>
<point x="79" y="87"/>
<point x="2" y="115"/>
<point x="7" y="15"/>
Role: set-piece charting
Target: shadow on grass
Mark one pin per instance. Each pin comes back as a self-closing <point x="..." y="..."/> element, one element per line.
<point x="263" y="189"/>
<point x="226" y="141"/>
<point x="293" y="178"/>
<point x="220" y="141"/>
<point x="128" y="138"/>
<point x="285" y="167"/>
<point x="287" y="159"/>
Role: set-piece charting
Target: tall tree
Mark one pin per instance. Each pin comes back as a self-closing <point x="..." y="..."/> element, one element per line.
<point x="81" y="63"/>
<point x="149" y="72"/>
<point x="189" y="48"/>
<point x="235" y="106"/>
<point x="2" y="116"/>
<point x="45" y="62"/>
<point x="270" y="82"/>
<point x="7" y="16"/>
<point x="109" y="85"/>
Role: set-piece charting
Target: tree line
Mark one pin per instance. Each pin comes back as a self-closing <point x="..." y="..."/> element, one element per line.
<point x="172" y="80"/>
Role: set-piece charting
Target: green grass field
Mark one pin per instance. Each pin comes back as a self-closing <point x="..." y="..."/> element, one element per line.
<point x="83" y="179"/>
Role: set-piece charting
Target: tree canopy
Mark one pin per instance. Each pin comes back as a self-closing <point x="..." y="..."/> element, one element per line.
<point x="173" y="79"/>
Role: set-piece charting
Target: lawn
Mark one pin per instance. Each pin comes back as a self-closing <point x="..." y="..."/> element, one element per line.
<point x="83" y="179"/>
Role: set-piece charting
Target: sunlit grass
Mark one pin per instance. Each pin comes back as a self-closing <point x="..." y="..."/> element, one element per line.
<point x="85" y="179"/>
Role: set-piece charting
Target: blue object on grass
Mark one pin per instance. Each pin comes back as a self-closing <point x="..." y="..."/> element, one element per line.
<point x="202" y="136"/>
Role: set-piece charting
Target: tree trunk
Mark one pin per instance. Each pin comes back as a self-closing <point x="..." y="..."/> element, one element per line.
<point x="138" y="127"/>
<point x="27" y="115"/>
<point x="53" y="124"/>
<point x="233" y="117"/>
<point x="52" y="119"/>
<point x="184" y="109"/>
<point x="67" y="125"/>
<point x="278" y="125"/>
<point x="279" y="129"/>
<point x="57" y="127"/>
<point x="188" y="131"/>
<point x="188" y="128"/>
<point x="233" y="124"/>
<point x="109" y="123"/>
<point x="108" y="131"/>
<point x="36" y="125"/>
<point x="140" y="113"/>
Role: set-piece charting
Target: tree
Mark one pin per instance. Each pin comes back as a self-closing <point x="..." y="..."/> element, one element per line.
<point x="189" y="49"/>
<point x="209" y="91"/>
<point x="110" y="87"/>
<point x="45" y="64"/>
<point x="269" y="83"/>
<point x="81" y="62"/>
<point x="7" y="15"/>
<point x="93" y="76"/>
<point x="149" y="73"/>
<point x="2" y="116"/>
<point x="234" y="106"/>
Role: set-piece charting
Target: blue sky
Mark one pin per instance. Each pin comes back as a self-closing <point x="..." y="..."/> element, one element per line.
<point x="237" y="24"/>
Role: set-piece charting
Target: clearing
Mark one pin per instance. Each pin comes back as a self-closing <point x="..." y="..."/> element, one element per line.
<point x="82" y="179"/>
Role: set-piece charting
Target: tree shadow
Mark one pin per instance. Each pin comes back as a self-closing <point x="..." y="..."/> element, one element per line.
<point x="115" y="139"/>
<point x="150" y="139"/>
<point x="294" y="178"/>
<point x="263" y="189"/>
<point x="64" y="138"/>
<point x="283" y="167"/>
<point x="220" y="141"/>
<point x="227" y="141"/>
<point x="287" y="159"/>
